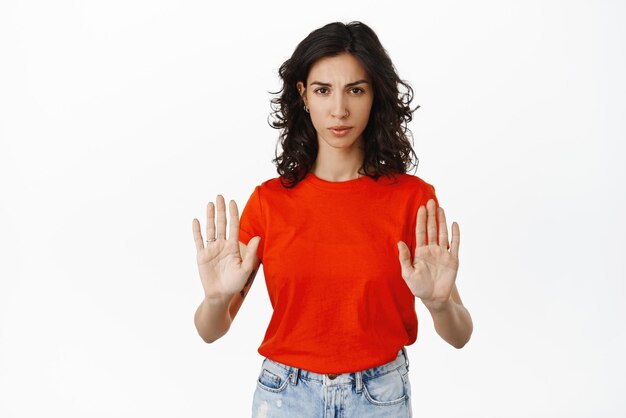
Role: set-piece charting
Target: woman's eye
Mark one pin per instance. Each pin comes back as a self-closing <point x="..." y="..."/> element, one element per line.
<point x="354" y="90"/>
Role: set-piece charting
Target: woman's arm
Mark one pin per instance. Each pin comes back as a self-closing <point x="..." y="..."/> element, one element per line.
<point x="214" y="316"/>
<point x="431" y="275"/>
<point x="212" y="319"/>
<point x="226" y="266"/>
<point x="452" y="320"/>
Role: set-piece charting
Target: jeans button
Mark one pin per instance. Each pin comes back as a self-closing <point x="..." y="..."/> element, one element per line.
<point x="332" y="376"/>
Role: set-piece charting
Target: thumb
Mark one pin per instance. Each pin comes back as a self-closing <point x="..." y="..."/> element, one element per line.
<point x="250" y="257"/>
<point x="405" y="258"/>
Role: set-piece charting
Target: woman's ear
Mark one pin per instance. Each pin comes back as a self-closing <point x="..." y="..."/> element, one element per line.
<point x="301" y="90"/>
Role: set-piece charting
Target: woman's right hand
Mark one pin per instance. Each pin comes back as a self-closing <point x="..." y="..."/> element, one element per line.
<point x="222" y="270"/>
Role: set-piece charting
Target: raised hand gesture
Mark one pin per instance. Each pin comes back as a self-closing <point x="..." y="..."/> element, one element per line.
<point x="432" y="273"/>
<point x="222" y="270"/>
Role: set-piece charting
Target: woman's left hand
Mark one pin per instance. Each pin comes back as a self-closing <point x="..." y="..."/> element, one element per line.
<point x="432" y="274"/>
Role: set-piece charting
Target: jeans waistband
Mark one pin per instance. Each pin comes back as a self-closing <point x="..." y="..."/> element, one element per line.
<point x="347" y="378"/>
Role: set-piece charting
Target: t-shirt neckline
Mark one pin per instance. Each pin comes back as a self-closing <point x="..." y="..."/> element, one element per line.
<point x="352" y="184"/>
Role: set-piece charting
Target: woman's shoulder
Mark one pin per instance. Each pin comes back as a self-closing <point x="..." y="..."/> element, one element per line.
<point x="271" y="184"/>
<point x="410" y="181"/>
<point x="268" y="187"/>
<point x="279" y="185"/>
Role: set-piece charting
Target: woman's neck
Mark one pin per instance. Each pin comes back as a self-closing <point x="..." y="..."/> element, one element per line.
<point x="336" y="166"/>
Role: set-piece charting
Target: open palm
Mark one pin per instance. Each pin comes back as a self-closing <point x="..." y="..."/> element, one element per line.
<point x="432" y="273"/>
<point x="222" y="270"/>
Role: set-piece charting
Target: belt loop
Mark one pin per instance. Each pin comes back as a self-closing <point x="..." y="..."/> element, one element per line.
<point x="359" y="381"/>
<point x="406" y="357"/>
<point x="293" y="377"/>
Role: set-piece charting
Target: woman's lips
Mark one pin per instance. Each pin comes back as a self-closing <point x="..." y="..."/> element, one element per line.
<point x="340" y="132"/>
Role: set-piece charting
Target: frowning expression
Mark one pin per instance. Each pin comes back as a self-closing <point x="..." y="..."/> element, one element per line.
<point x="339" y="96"/>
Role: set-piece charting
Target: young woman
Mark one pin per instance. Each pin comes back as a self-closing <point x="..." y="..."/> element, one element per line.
<point x="347" y="239"/>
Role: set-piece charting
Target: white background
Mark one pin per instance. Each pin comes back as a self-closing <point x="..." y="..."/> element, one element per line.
<point x="121" y="120"/>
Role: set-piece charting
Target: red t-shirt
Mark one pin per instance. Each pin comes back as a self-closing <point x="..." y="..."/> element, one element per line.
<point x="331" y="267"/>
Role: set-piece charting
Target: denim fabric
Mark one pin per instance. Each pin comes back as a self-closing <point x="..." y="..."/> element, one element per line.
<point x="287" y="392"/>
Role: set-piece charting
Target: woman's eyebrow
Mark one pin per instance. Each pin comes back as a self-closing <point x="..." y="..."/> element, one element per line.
<point x="354" y="83"/>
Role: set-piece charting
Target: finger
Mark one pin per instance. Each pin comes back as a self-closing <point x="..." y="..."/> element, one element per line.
<point x="432" y="222"/>
<point x="456" y="240"/>
<point x="250" y="256"/>
<point x="420" y="227"/>
<point x="221" y="217"/>
<point x="404" y="255"/>
<point x="197" y="235"/>
<point x="210" y="221"/>
<point x="443" y="230"/>
<point x="233" y="230"/>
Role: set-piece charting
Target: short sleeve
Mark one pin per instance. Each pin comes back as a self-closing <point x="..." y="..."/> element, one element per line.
<point x="252" y="222"/>
<point x="430" y="194"/>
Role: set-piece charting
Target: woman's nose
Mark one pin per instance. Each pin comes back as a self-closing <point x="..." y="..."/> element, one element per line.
<point x="339" y="108"/>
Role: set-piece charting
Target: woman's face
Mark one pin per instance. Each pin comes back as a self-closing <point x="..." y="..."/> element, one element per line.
<point x="338" y="93"/>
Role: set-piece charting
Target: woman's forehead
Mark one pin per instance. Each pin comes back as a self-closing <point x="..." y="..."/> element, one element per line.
<point x="343" y="69"/>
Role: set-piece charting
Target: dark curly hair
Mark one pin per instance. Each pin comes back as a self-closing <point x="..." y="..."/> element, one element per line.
<point x="387" y="149"/>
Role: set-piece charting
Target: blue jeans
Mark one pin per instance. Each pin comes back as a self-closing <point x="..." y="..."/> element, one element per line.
<point x="288" y="392"/>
